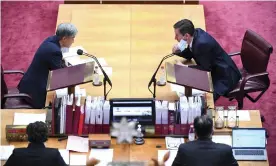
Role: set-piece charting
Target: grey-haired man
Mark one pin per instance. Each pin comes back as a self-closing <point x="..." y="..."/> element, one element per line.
<point x="47" y="57"/>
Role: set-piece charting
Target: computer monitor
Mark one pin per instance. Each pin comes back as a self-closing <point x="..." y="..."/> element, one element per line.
<point x="140" y="110"/>
<point x="244" y="138"/>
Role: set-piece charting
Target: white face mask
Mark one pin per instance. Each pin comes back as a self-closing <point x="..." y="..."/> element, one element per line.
<point x="182" y="45"/>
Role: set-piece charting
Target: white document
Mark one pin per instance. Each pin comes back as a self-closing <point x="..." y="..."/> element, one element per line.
<point x="161" y="154"/>
<point x="61" y="92"/>
<point x="172" y="106"/>
<point x="181" y="89"/>
<point x="244" y="115"/>
<point x="6" y="151"/>
<point x="106" y="112"/>
<point x="78" y="159"/>
<point x="108" y="71"/>
<point x="104" y="155"/>
<point x="165" y="112"/>
<point x="223" y="139"/>
<point x="83" y="92"/>
<point x="71" y="51"/>
<point x="158" y="112"/>
<point x="26" y="118"/>
<point x="77" y="144"/>
<point x="65" y="155"/>
<point x="173" y="143"/>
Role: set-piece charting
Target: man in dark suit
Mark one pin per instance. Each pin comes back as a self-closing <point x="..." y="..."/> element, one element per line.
<point x="203" y="151"/>
<point x="36" y="154"/>
<point x="47" y="57"/>
<point x="208" y="55"/>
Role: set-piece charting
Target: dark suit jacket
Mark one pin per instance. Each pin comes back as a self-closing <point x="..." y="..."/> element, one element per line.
<point x="209" y="56"/>
<point x="47" y="57"/>
<point x="204" y="153"/>
<point x="35" y="155"/>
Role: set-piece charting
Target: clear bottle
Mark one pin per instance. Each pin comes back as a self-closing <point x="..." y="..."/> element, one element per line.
<point x="191" y="133"/>
<point x="162" y="76"/>
<point x="96" y="77"/>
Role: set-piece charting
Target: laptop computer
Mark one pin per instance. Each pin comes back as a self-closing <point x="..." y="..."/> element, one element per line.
<point x="249" y="144"/>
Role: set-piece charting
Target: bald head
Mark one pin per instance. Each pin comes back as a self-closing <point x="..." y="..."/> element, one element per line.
<point x="203" y="126"/>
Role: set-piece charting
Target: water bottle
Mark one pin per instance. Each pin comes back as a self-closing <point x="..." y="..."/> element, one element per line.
<point x="96" y="77"/>
<point x="191" y="133"/>
<point x="162" y="76"/>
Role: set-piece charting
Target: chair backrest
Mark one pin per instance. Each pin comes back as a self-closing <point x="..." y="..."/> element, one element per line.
<point x="4" y="88"/>
<point x="255" y="52"/>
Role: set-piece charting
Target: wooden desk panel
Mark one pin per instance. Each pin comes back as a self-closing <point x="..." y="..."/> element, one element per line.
<point x="121" y="152"/>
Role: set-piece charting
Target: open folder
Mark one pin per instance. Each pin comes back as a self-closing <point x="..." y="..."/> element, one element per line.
<point x="70" y="76"/>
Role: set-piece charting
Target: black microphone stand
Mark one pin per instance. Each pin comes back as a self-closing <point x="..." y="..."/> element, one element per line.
<point x="153" y="79"/>
<point x="105" y="75"/>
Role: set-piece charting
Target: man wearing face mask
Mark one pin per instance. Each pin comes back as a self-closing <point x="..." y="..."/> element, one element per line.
<point x="47" y="57"/>
<point x="208" y="55"/>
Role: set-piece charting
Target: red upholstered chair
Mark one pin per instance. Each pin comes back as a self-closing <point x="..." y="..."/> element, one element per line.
<point x="255" y="54"/>
<point x="10" y="97"/>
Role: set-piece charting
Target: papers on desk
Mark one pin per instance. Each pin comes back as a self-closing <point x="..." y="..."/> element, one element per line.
<point x="78" y="159"/>
<point x="243" y="114"/>
<point x="6" y="151"/>
<point x="222" y="139"/>
<point x="108" y="71"/>
<point x="71" y="51"/>
<point x="76" y="60"/>
<point x="104" y="155"/>
<point x="65" y="155"/>
<point x="173" y="143"/>
<point x="77" y="144"/>
<point x="180" y="90"/>
<point x="27" y="118"/>
<point x="161" y="154"/>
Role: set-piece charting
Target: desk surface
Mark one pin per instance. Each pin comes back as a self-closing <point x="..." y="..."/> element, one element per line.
<point x="122" y="152"/>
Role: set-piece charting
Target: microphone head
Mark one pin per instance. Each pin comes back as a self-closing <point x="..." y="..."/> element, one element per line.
<point x="80" y="52"/>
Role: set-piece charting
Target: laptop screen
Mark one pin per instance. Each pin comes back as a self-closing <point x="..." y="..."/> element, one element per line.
<point x="248" y="138"/>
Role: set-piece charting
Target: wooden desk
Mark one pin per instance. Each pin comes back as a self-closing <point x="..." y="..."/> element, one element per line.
<point x="132" y="39"/>
<point x="121" y="152"/>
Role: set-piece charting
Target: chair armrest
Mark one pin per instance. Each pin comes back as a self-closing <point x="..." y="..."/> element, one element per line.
<point x="17" y="95"/>
<point x="13" y="72"/>
<point x="234" y="54"/>
<point x="250" y="76"/>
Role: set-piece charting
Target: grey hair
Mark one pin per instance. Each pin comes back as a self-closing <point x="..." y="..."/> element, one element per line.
<point x="66" y="30"/>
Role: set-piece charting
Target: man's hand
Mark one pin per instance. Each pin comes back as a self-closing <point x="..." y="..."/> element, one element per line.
<point x="162" y="163"/>
<point x="178" y="62"/>
<point x="175" y="49"/>
<point x="92" y="162"/>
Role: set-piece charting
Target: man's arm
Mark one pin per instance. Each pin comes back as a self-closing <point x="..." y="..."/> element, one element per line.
<point x="11" y="160"/>
<point x="179" y="161"/>
<point x="230" y="159"/>
<point x="59" y="159"/>
<point x="205" y="56"/>
<point x="187" y="54"/>
<point x="55" y="60"/>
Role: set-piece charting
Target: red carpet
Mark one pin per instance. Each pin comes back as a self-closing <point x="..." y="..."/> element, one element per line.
<point x="25" y="24"/>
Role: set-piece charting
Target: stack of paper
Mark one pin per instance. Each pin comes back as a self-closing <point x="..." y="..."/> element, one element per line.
<point x="26" y="118"/>
<point x="71" y="51"/>
<point x="77" y="144"/>
<point x="6" y="151"/>
<point x="65" y="155"/>
<point x="180" y="90"/>
<point x="243" y="114"/>
<point x="222" y="139"/>
<point x="161" y="154"/>
<point x="104" y="155"/>
<point x="173" y="143"/>
<point x="78" y="159"/>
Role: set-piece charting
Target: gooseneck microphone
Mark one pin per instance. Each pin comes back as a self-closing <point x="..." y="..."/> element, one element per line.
<point x="106" y="78"/>
<point x="153" y="79"/>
